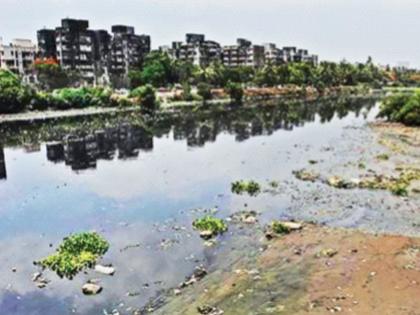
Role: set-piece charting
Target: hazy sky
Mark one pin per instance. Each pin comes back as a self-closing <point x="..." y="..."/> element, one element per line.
<point x="388" y="30"/>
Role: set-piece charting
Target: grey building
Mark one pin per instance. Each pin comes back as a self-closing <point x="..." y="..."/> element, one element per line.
<point x="244" y="53"/>
<point x="196" y="50"/>
<point x="47" y="47"/>
<point x="273" y="55"/>
<point x="93" y="53"/>
<point x="75" y="47"/>
<point x="128" y="50"/>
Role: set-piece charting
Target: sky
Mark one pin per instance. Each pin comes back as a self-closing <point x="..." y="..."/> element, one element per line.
<point x="387" y="30"/>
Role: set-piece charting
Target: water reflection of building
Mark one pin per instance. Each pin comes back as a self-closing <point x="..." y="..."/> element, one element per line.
<point x="82" y="152"/>
<point x="3" y="174"/>
<point x="126" y="141"/>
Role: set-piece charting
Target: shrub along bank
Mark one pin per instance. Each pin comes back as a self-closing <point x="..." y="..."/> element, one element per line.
<point x="402" y="107"/>
<point x="15" y="96"/>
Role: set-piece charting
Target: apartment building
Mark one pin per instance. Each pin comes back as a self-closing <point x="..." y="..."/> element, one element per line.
<point x="293" y="54"/>
<point x="273" y="55"/>
<point x="18" y="56"/>
<point x="93" y="53"/>
<point x="128" y="50"/>
<point x="47" y="47"/>
<point x="244" y="53"/>
<point x="75" y="50"/>
<point x="236" y="55"/>
<point x="196" y="49"/>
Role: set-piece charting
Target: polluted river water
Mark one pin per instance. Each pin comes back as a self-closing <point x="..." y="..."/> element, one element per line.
<point x="141" y="187"/>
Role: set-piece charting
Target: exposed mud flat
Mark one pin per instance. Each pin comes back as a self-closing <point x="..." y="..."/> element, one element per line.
<point x="318" y="270"/>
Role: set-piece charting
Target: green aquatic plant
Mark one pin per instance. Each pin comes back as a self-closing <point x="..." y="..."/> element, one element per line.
<point x="75" y="253"/>
<point x="251" y="187"/>
<point x="210" y="224"/>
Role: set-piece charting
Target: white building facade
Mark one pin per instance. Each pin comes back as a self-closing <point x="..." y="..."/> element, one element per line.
<point x="18" y="56"/>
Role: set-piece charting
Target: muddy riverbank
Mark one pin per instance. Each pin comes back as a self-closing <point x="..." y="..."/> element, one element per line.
<point x="318" y="270"/>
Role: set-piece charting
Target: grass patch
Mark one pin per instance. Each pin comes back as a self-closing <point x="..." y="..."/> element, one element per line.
<point x="75" y="253"/>
<point x="250" y="187"/>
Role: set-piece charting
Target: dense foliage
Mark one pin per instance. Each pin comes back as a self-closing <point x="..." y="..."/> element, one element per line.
<point x="402" y="107"/>
<point x="51" y="76"/>
<point x="67" y="98"/>
<point x="204" y="91"/>
<point x="235" y="91"/>
<point x="75" y="253"/>
<point x="146" y="97"/>
<point x="160" y="70"/>
<point x="14" y="95"/>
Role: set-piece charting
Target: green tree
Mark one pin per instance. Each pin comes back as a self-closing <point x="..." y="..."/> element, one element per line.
<point x="157" y="70"/>
<point x="235" y="90"/>
<point x="266" y="76"/>
<point x="146" y="96"/>
<point x="14" y="95"/>
<point x="51" y="76"/>
<point x="204" y="90"/>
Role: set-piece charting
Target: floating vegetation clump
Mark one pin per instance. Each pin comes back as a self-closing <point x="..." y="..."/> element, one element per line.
<point x="306" y="175"/>
<point x="210" y="226"/>
<point x="397" y="185"/>
<point x="75" y="253"/>
<point x="250" y="187"/>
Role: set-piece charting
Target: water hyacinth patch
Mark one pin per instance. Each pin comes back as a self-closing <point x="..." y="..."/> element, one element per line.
<point x="75" y="253"/>
<point x="210" y="226"/>
<point x="250" y="187"/>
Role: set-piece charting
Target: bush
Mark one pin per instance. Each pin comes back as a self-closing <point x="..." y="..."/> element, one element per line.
<point x="75" y="253"/>
<point x="80" y="97"/>
<point x="392" y="105"/>
<point x="235" y="91"/>
<point x="146" y="96"/>
<point x="204" y="90"/>
<point x="14" y="96"/>
<point x="186" y="92"/>
<point x="404" y="108"/>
